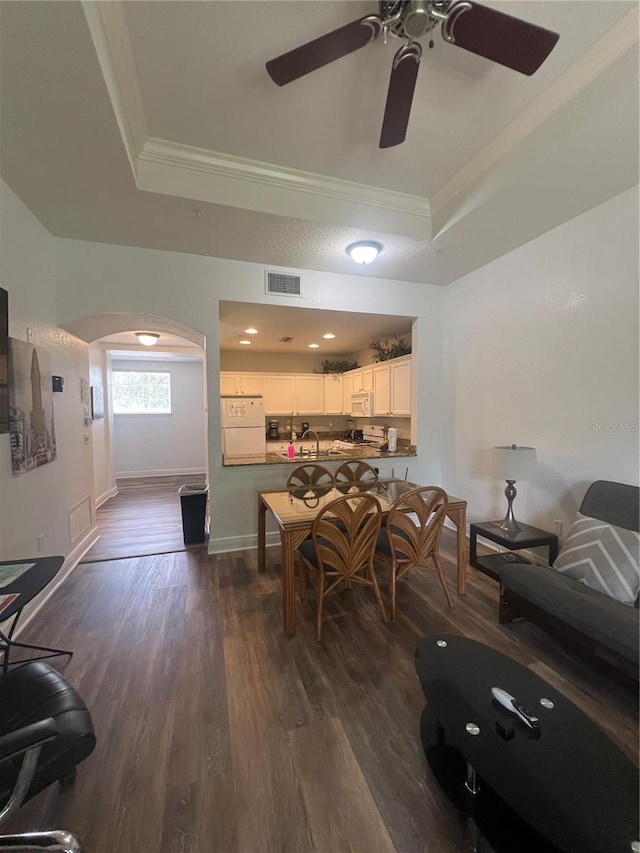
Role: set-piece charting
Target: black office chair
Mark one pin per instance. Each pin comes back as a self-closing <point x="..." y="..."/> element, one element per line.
<point x="45" y="731"/>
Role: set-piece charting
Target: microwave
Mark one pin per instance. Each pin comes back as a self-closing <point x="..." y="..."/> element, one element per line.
<point x="362" y="404"/>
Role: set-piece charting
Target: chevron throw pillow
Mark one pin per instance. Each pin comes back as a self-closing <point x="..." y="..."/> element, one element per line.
<point x="603" y="557"/>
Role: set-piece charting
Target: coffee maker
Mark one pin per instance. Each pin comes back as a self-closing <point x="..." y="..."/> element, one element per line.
<point x="274" y="429"/>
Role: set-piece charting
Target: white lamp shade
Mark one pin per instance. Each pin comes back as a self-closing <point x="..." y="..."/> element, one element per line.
<point x="515" y="463"/>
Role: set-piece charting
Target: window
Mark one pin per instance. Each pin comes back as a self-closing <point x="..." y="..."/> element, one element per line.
<point x="141" y="393"/>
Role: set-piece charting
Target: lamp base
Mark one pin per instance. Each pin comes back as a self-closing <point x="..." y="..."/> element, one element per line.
<point x="509" y="524"/>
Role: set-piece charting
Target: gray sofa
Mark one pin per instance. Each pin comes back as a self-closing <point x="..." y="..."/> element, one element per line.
<point x="589" y="621"/>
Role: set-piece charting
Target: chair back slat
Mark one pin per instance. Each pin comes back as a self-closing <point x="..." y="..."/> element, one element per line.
<point x="345" y="534"/>
<point x="355" y="470"/>
<point x="310" y="475"/>
<point x="410" y="542"/>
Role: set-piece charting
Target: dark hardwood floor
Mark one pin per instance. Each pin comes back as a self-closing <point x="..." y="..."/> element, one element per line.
<point x="216" y="733"/>
<point x="143" y="518"/>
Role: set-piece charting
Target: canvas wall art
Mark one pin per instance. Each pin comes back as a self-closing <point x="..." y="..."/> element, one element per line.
<point x="31" y="425"/>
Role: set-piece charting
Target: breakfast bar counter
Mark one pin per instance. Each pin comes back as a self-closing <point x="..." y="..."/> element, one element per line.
<point x="344" y="455"/>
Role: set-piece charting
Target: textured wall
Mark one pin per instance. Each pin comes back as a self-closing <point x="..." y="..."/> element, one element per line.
<point x="541" y="348"/>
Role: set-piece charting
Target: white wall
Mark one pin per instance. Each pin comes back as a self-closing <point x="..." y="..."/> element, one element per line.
<point x="55" y="500"/>
<point x="95" y="278"/>
<point x="155" y="445"/>
<point x="541" y="346"/>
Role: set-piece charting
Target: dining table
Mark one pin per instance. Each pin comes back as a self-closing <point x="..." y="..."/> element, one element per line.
<point x="295" y="509"/>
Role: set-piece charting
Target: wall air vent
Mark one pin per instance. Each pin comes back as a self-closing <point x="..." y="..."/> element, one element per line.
<point x="286" y="340"/>
<point x="282" y="284"/>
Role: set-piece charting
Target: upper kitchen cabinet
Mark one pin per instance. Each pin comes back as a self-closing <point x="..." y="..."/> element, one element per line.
<point x="347" y="391"/>
<point x="279" y="394"/>
<point x="333" y="402"/>
<point x="392" y="387"/>
<point x="309" y="396"/>
<point x="293" y="395"/>
<point x="362" y="379"/>
<point x="244" y="384"/>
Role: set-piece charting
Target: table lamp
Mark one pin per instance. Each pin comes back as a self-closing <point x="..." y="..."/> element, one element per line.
<point x="513" y="463"/>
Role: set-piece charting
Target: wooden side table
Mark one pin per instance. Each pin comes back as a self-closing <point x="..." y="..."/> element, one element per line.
<point x="527" y="537"/>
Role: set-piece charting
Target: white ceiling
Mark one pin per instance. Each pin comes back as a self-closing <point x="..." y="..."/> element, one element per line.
<point x="119" y="120"/>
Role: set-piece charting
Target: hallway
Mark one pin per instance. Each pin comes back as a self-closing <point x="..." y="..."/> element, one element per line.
<point x="143" y="519"/>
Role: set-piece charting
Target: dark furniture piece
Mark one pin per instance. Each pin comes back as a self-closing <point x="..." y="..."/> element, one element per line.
<point x="527" y="537"/>
<point x="567" y="787"/>
<point x="45" y="731"/>
<point x="585" y="619"/>
<point x="41" y="572"/>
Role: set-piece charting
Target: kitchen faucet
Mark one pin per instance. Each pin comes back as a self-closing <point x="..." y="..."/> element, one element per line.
<point x="306" y="432"/>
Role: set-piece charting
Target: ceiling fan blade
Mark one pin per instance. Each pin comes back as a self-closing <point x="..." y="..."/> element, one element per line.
<point x="509" y="41"/>
<point x="321" y="51"/>
<point x="402" y="84"/>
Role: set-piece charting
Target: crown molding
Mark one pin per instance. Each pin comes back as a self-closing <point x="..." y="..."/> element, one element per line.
<point x="593" y="62"/>
<point x="112" y="44"/>
<point x="184" y="170"/>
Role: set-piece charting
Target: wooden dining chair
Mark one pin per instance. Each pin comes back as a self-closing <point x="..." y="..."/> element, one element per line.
<point x="411" y="537"/>
<point x="341" y="549"/>
<point x="355" y="470"/>
<point x="310" y="475"/>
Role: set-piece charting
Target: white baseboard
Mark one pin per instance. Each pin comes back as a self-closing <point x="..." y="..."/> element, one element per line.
<point x="104" y="497"/>
<point x="68" y="566"/>
<point x="160" y="472"/>
<point x="224" y="544"/>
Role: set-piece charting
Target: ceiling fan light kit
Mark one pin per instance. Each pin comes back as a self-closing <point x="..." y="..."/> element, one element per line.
<point x="364" y="251"/>
<point x="501" y="38"/>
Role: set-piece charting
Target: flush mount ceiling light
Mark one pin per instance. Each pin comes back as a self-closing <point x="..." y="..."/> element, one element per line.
<point x="328" y="336"/>
<point x="364" y="252"/>
<point x="245" y="343"/>
<point x="147" y="339"/>
<point x="251" y="331"/>
<point x="314" y="346"/>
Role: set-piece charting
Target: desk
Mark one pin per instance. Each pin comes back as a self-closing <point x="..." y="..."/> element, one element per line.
<point x="39" y="573"/>
<point x="295" y="517"/>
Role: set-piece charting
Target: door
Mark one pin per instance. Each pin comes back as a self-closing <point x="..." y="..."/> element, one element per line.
<point x="309" y="395"/>
<point x="243" y="441"/>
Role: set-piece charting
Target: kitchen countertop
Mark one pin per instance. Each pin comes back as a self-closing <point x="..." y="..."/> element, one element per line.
<point x="359" y="451"/>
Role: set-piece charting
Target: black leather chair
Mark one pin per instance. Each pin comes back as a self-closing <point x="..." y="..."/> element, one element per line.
<point x="45" y="731"/>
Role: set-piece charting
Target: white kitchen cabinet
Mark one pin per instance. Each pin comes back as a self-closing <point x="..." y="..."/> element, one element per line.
<point x="243" y="384"/>
<point x="301" y="394"/>
<point x="347" y="391"/>
<point x="309" y="398"/>
<point x="392" y="387"/>
<point x="333" y="403"/>
<point x="400" y="374"/>
<point x="279" y="394"/>
<point x="381" y="390"/>
<point x="362" y="378"/>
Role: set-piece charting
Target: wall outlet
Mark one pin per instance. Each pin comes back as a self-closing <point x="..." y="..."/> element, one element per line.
<point x="557" y="527"/>
<point x="41" y="543"/>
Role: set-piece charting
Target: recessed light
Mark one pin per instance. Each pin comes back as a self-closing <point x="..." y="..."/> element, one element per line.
<point x="328" y="336"/>
<point x="246" y="343"/>
<point x="251" y="331"/>
<point x="314" y="346"/>
<point x="364" y="251"/>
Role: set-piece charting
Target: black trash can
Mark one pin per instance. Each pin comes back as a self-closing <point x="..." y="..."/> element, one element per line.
<point x="193" y="502"/>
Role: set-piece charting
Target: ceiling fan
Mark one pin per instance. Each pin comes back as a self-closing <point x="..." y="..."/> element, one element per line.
<point x="479" y="29"/>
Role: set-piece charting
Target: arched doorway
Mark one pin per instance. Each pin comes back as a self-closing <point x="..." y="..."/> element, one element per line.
<point x="141" y="457"/>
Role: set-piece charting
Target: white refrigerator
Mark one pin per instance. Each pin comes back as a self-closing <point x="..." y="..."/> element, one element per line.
<point x="243" y="426"/>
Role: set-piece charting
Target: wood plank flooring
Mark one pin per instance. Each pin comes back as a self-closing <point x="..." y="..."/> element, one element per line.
<point x="143" y="518"/>
<point x="218" y="734"/>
